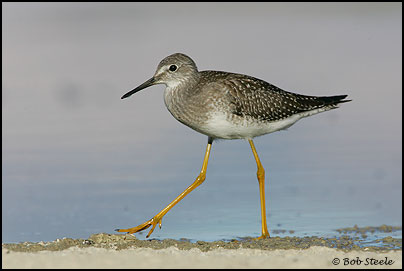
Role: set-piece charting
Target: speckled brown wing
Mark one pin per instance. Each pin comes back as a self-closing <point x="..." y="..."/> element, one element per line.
<point x="263" y="101"/>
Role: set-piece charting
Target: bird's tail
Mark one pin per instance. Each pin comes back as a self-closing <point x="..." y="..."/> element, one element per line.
<point x="333" y="100"/>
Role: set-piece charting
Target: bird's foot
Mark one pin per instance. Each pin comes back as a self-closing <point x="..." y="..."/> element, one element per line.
<point x="152" y="222"/>
<point x="263" y="236"/>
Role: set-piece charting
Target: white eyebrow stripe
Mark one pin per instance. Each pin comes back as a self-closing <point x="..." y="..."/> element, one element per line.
<point x="160" y="71"/>
<point x="163" y="69"/>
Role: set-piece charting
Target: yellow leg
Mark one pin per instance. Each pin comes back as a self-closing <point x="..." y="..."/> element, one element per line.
<point x="157" y="218"/>
<point x="261" y="181"/>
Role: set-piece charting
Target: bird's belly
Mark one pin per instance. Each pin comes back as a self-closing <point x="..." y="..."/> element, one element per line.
<point x="219" y="125"/>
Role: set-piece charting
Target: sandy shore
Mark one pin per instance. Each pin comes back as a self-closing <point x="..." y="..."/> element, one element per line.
<point x="104" y="250"/>
<point x="172" y="257"/>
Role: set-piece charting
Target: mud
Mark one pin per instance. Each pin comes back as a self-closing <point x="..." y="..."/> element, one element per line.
<point x="363" y="230"/>
<point x="121" y="241"/>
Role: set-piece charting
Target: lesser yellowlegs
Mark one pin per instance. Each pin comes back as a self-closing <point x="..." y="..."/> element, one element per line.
<point x="226" y="105"/>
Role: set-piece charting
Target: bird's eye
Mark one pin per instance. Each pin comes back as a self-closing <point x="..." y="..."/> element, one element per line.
<point x="173" y="68"/>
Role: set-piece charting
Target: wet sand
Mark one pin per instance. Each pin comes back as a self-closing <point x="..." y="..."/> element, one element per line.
<point x="126" y="251"/>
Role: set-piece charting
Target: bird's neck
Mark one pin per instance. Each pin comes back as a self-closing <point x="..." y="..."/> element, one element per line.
<point x="180" y="89"/>
<point x="174" y="93"/>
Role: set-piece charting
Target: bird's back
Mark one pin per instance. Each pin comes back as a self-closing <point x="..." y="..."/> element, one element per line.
<point x="251" y="97"/>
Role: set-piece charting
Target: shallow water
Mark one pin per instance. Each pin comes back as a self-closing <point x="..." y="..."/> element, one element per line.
<point x="212" y="212"/>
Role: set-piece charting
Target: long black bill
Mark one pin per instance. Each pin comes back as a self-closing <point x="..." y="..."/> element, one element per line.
<point x="146" y="84"/>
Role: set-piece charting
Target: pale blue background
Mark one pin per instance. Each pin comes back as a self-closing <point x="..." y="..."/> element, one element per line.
<point x="77" y="160"/>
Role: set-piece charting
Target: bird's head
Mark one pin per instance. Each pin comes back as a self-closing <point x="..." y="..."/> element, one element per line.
<point x="172" y="71"/>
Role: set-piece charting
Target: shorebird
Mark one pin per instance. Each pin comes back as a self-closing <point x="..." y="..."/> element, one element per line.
<point x="225" y="105"/>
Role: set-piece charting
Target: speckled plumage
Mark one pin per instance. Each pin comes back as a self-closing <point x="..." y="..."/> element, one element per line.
<point x="229" y="105"/>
